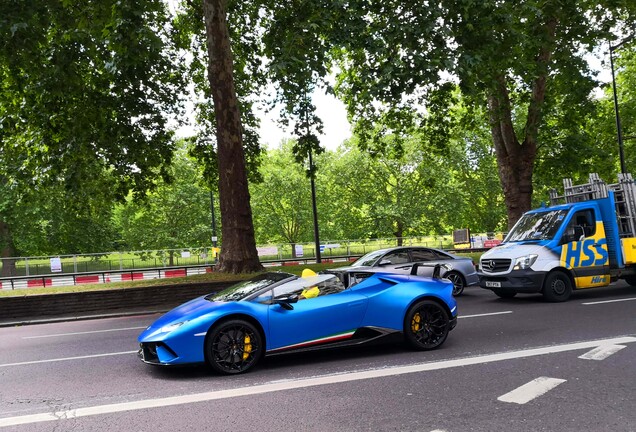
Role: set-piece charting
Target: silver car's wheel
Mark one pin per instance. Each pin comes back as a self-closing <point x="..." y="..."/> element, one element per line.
<point x="458" y="282"/>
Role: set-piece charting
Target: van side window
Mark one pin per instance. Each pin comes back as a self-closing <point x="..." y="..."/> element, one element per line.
<point x="585" y="219"/>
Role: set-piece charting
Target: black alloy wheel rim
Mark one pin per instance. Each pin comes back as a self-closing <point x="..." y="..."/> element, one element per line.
<point x="458" y="284"/>
<point x="235" y="348"/>
<point x="429" y="330"/>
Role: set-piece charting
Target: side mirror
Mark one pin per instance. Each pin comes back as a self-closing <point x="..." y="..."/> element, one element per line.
<point x="286" y="302"/>
<point x="575" y="233"/>
<point x="384" y="262"/>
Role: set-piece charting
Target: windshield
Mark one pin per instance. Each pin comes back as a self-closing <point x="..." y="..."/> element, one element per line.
<point x="369" y="259"/>
<point x="537" y="226"/>
<point x="246" y="288"/>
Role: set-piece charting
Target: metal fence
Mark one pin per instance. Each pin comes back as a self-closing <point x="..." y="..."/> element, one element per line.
<point x="105" y="262"/>
<point x="153" y="259"/>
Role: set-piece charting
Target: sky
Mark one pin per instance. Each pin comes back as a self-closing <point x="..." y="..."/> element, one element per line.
<point x="332" y="112"/>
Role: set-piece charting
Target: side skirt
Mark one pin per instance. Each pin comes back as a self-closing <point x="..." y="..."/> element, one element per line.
<point x="362" y="336"/>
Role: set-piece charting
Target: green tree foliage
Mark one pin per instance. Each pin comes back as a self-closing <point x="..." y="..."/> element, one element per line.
<point x="626" y="89"/>
<point x="85" y="91"/>
<point x="174" y="215"/>
<point x="85" y="84"/>
<point x="520" y="60"/>
<point x="282" y="200"/>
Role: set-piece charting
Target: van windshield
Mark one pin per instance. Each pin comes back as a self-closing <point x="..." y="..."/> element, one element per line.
<point x="537" y="226"/>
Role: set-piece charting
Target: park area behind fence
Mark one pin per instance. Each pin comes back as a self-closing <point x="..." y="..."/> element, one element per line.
<point x="117" y="262"/>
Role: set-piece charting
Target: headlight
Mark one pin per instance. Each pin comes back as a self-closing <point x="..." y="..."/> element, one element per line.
<point x="525" y="262"/>
<point x="171" y="327"/>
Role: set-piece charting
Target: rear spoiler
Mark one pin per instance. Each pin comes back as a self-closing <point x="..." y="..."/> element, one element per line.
<point x="437" y="269"/>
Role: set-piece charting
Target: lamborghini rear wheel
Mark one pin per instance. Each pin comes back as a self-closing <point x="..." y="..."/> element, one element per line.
<point x="426" y="325"/>
<point x="233" y="347"/>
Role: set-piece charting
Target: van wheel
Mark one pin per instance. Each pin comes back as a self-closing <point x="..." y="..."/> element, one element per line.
<point x="631" y="280"/>
<point x="557" y="287"/>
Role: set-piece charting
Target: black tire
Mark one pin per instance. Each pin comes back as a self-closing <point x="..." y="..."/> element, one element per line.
<point x="458" y="282"/>
<point x="426" y="325"/>
<point x="233" y="346"/>
<point x="557" y="287"/>
<point x="504" y="293"/>
<point x="631" y="280"/>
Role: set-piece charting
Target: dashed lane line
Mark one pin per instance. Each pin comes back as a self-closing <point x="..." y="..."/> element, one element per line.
<point x="531" y="390"/>
<point x="67" y="359"/>
<point x="83" y="333"/>
<point x="485" y="314"/>
<point x="602" y="352"/>
<point x="609" y="301"/>
<point x="305" y="382"/>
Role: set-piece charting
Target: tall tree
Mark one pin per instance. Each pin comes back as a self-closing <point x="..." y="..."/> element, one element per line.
<point x="238" y="253"/>
<point x="507" y="56"/>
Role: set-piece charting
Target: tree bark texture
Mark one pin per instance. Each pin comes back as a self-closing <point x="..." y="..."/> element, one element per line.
<point x="238" y="250"/>
<point x="7" y="251"/>
<point x="515" y="160"/>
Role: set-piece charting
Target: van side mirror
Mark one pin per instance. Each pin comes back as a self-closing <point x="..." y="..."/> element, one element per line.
<point x="575" y="233"/>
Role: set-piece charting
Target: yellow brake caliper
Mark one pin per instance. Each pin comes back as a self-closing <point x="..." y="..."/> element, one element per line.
<point x="415" y="323"/>
<point x="247" y="347"/>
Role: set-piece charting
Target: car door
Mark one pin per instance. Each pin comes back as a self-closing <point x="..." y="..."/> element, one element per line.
<point x="586" y="256"/>
<point x="314" y="321"/>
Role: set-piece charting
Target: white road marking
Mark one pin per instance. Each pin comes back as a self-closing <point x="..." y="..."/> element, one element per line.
<point x="485" y="314"/>
<point x="84" y="332"/>
<point x="609" y="301"/>
<point x="67" y="359"/>
<point x="602" y="352"/>
<point x="531" y="390"/>
<point x="305" y="382"/>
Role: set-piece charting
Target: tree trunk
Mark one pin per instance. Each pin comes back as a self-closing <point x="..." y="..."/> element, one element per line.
<point x="515" y="160"/>
<point x="7" y="251"/>
<point x="399" y="232"/>
<point x="238" y="251"/>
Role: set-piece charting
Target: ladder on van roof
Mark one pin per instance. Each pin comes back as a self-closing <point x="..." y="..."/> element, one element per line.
<point x="624" y="196"/>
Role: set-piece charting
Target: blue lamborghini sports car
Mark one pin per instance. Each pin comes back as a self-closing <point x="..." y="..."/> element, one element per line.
<point x="275" y="313"/>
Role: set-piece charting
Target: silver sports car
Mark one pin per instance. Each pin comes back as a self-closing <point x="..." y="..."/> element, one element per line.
<point x="460" y="270"/>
